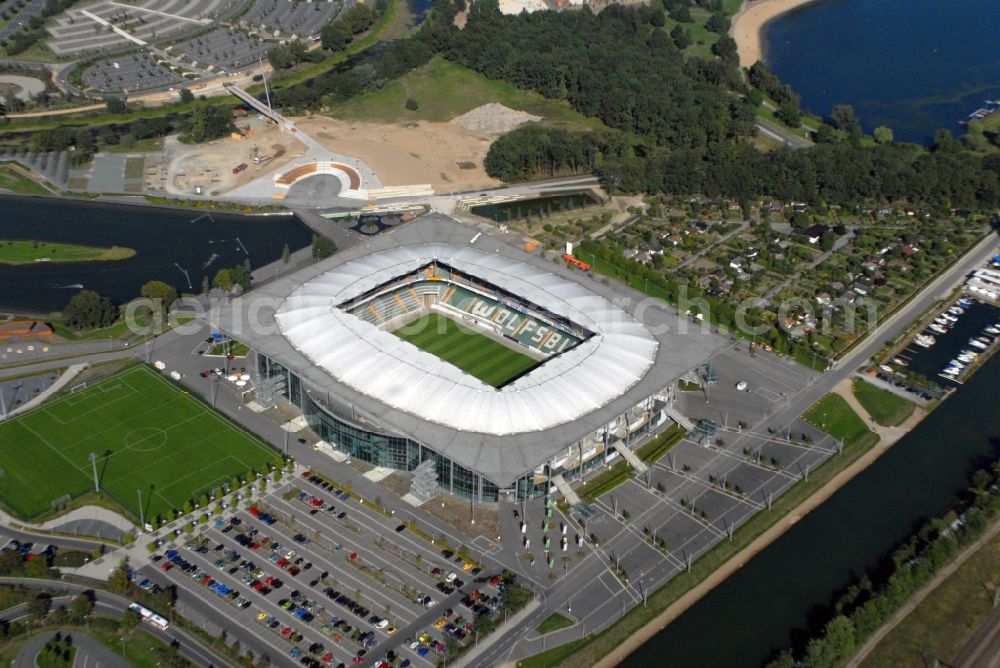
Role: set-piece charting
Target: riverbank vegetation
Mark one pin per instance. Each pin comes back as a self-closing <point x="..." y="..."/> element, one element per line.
<point x="28" y="251"/>
<point x="871" y="601"/>
<point x="886" y="408"/>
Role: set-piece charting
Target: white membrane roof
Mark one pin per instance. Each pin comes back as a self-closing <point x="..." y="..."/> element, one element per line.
<point x="397" y="373"/>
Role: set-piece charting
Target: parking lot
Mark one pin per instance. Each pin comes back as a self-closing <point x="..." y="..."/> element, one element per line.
<point x="328" y="580"/>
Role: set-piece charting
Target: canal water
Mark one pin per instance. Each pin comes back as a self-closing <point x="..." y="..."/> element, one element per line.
<point x="166" y="242"/>
<point x="786" y="589"/>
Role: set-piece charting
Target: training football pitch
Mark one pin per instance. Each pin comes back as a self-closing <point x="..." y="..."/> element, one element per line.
<point x="148" y="435"/>
<point x="477" y="355"/>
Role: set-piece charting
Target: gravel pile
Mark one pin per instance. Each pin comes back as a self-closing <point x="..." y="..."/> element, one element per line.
<point x="493" y="119"/>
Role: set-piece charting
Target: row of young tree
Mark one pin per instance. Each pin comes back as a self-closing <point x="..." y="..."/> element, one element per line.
<point x="866" y="605"/>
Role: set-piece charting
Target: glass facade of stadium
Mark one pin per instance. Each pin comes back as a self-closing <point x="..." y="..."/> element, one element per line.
<point x="337" y="423"/>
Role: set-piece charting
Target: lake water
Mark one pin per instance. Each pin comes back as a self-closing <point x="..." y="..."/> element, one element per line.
<point x="913" y="65"/>
<point x="788" y="586"/>
<point x="166" y="241"/>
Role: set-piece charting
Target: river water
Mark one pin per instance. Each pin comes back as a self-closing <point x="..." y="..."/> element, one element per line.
<point x="166" y="241"/>
<point x="787" y="587"/>
<point x="913" y="65"/>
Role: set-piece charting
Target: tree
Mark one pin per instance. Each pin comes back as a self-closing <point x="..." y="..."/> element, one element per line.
<point x="411" y="104"/>
<point x="682" y="14"/>
<point x="115" y="105"/>
<point x="789" y="114"/>
<point x="223" y="280"/>
<point x="657" y="18"/>
<point x="717" y="23"/>
<point x="87" y="310"/>
<point x="883" y="135"/>
<point x="130" y="619"/>
<point x="322" y="246"/>
<point x="80" y="607"/>
<point x="334" y="37"/>
<point x="827" y="240"/>
<point x="39" y="606"/>
<point x="186" y="96"/>
<point x="843" y="118"/>
<point x="681" y="37"/>
<point x="285" y="254"/>
<point x="163" y="294"/>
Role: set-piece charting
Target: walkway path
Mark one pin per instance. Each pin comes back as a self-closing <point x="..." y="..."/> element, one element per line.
<point x="60" y="383"/>
<point x="886" y="434"/>
<point x="970" y="658"/>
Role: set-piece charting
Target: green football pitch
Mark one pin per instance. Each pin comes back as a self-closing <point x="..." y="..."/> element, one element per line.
<point x="477" y="355"/>
<point x="148" y="435"/>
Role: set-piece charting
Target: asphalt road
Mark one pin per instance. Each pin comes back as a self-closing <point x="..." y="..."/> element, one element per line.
<point x="89" y="652"/>
<point x="187" y="644"/>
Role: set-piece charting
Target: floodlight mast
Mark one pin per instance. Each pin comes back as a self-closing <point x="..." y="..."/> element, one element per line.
<point x="93" y="462"/>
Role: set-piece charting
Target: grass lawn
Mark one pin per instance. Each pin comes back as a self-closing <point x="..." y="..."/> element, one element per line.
<point x="234" y="348"/>
<point x="480" y="356"/>
<point x="603" y="483"/>
<point x="15" y="181"/>
<point x="28" y="251"/>
<point x="655" y="449"/>
<point x="444" y="90"/>
<point x="944" y="620"/>
<point x="148" y="435"/>
<point x="888" y="409"/>
<point x="133" y="167"/>
<point x="554" y="622"/>
<point x="835" y="417"/>
<point x="551" y="657"/>
<point x="116" y="331"/>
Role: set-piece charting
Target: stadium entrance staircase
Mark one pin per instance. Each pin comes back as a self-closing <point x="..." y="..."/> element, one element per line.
<point x="681" y="421"/>
<point x="637" y="464"/>
<point x="571" y="497"/>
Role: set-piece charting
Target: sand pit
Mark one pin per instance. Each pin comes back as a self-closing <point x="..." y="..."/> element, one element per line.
<point x="444" y="155"/>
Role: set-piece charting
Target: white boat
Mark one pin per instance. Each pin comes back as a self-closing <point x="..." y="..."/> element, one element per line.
<point x="964" y="302"/>
<point x="956" y="310"/>
<point x="900" y="361"/>
<point x="967" y="359"/>
<point x="943" y="321"/>
<point x="992" y="330"/>
<point x="956" y="363"/>
<point x="983" y="339"/>
<point x="924" y="340"/>
<point x="978" y="344"/>
<point x="934" y="327"/>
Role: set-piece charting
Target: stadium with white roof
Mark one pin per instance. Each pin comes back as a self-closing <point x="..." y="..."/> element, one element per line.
<point x="604" y="359"/>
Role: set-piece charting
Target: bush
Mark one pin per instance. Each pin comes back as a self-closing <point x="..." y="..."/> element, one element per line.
<point x="411" y="104"/>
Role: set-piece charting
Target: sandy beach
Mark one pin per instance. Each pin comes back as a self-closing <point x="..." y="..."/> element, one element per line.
<point x="887" y="438"/>
<point x="750" y="21"/>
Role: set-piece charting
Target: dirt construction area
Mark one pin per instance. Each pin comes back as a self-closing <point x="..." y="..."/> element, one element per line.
<point x="210" y="165"/>
<point x="444" y="155"/>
